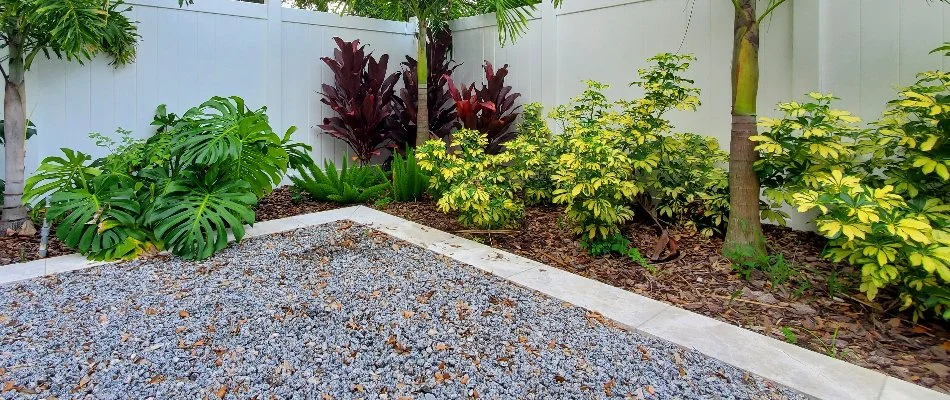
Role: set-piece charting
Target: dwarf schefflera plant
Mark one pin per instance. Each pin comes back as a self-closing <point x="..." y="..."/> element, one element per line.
<point x="620" y="155"/>
<point x="183" y="189"/>
<point x="471" y="182"/>
<point x="362" y="98"/>
<point x="881" y="193"/>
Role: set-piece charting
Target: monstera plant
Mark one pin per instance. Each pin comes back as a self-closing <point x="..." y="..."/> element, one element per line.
<point x="184" y="188"/>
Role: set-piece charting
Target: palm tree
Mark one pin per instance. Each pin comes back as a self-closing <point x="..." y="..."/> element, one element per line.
<point x="74" y="29"/>
<point x="744" y="232"/>
<point x="512" y="17"/>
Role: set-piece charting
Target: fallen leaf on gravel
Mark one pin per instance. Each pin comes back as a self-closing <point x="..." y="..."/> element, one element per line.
<point x="609" y="387"/>
<point x="103" y="319"/>
<point x="183" y="314"/>
<point x="82" y="383"/>
<point x="199" y="343"/>
<point x="396" y="246"/>
<point x="425" y="297"/>
<point x="651" y="390"/>
<point x="150" y="311"/>
<point x="559" y="379"/>
<point x="223" y="390"/>
<point x="8" y="385"/>
<point x="442" y="376"/>
<point x="407" y="314"/>
<point x="358" y="388"/>
<point x="125" y="337"/>
<point x="464" y="379"/>
<point x="336" y="305"/>
<point x="645" y="354"/>
<point x="156" y="379"/>
<point x="441" y="347"/>
<point x="180" y="329"/>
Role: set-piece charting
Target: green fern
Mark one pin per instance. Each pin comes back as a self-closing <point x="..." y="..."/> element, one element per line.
<point x="409" y="181"/>
<point x="348" y="185"/>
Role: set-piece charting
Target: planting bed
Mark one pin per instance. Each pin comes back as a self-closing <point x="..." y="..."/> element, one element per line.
<point x="703" y="282"/>
<point x="337" y="311"/>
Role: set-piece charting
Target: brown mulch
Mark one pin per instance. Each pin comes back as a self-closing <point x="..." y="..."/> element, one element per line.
<point x="17" y="249"/>
<point x="839" y="322"/>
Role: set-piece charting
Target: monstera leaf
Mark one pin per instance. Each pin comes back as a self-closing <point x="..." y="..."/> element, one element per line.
<point x="195" y="214"/>
<point x="212" y="133"/>
<point x="101" y="219"/>
<point x="223" y="131"/>
<point x="73" y="170"/>
<point x="262" y="162"/>
<point x="298" y="154"/>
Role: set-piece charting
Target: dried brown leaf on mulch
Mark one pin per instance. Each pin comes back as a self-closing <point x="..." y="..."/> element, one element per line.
<point x="839" y="322"/>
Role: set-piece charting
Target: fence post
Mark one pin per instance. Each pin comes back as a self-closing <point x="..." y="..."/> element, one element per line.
<point x="274" y="71"/>
<point x="549" y="82"/>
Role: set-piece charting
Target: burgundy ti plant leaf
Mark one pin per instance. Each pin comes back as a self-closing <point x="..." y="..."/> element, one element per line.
<point x="490" y="109"/>
<point x="361" y="97"/>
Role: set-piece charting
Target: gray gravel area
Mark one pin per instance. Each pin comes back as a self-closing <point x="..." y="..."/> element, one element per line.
<point x="330" y="312"/>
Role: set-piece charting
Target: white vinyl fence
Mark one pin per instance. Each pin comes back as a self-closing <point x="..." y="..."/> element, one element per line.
<point x="266" y="54"/>
<point x="859" y="50"/>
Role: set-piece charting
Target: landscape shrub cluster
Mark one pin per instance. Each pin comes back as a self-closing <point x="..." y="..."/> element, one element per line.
<point x="184" y="189"/>
<point x="881" y="193"/>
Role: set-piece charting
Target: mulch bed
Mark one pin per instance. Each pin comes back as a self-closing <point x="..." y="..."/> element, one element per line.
<point x="839" y="322"/>
<point x="17" y="249"/>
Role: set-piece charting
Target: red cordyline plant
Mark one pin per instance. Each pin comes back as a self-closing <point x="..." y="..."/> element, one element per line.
<point x="361" y="96"/>
<point x="442" y="116"/>
<point x="490" y="109"/>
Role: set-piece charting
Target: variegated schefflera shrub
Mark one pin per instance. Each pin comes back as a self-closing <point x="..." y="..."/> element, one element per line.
<point x="471" y="182"/>
<point x="881" y="193"/>
<point x="624" y="155"/>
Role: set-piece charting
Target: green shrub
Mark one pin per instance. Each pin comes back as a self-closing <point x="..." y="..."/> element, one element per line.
<point x="616" y="244"/>
<point x="593" y="181"/>
<point x="185" y="187"/>
<point x="534" y="153"/>
<point x="472" y="183"/>
<point x="621" y="154"/>
<point x="348" y="185"/>
<point x="881" y="193"/>
<point x="409" y="180"/>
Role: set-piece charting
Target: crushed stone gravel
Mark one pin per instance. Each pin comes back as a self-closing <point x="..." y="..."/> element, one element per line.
<point x="336" y="311"/>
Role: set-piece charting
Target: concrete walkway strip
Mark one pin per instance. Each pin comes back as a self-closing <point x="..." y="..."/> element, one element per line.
<point x="811" y="373"/>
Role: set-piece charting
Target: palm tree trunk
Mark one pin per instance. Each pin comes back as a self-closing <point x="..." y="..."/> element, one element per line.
<point x="422" y="105"/>
<point x="744" y="235"/>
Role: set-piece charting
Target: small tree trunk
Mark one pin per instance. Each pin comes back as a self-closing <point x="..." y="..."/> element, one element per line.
<point x="422" y="105"/>
<point x="744" y="234"/>
<point x="14" y="110"/>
